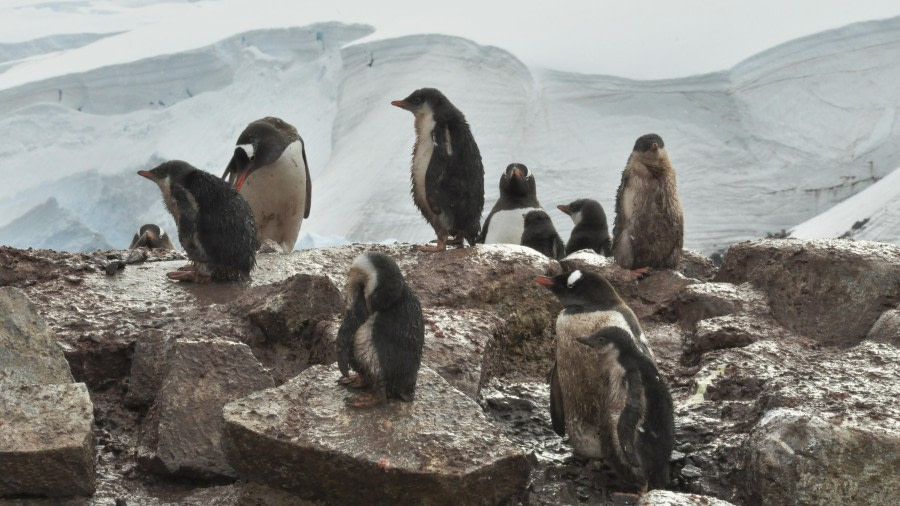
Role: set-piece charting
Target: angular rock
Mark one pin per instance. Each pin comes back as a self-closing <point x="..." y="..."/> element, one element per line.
<point x="438" y="449"/>
<point x="708" y="300"/>
<point x="670" y="498"/>
<point x="147" y="363"/>
<point x="183" y="430"/>
<point x="46" y="440"/>
<point x="886" y="329"/>
<point x="798" y="458"/>
<point x="696" y="265"/>
<point x="830" y="290"/>
<point x="29" y="353"/>
<point x="730" y="331"/>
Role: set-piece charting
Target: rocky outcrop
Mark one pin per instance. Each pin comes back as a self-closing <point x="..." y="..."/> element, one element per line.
<point x="438" y="449"/>
<point x="669" y="498"/>
<point x="887" y="328"/>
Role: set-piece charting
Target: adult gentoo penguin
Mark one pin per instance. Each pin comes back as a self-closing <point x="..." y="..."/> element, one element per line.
<point x="580" y="395"/>
<point x="639" y="428"/>
<point x="382" y="333"/>
<point x="447" y="173"/>
<point x="215" y="224"/>
<point x="649" y="226"/>
<point x="518" y="195"/>
<point x="540" y="234"/>
<point x="153" y="237"/>
<point x="269" y="170"/>
<point x="591" y="230"/>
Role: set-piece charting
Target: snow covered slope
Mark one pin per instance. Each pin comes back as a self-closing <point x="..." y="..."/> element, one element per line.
<point x="777" y="140"/>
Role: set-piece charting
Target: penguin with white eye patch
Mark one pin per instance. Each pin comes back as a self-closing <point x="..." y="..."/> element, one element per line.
<point x="518" y="195"/>
<point x="591" y="229"/>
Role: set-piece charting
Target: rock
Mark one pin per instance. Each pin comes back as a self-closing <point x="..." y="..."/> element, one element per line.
<point x="887" y="328"/>
<point x="696" y="265"/>
<point x="183" y="430"/>
<point x="798" y="458"/>
<point x="731" y="331"/>
<point x="589" y="261"/>
<point x="670" y="498"/>
<point x="830" y="290"/>
<point x="30" y="354"/>
<point x="438" y="449"/>
<point x="707" y="300"/>
<point x="147" y="363"/>
<point x="46" y="440"/>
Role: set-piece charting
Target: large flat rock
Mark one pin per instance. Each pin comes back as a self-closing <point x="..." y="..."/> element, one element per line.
<point x="438" y="449"/>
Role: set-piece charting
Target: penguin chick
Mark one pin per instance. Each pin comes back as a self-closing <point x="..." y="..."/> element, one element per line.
<point x="518" y="195"/>
<point x="382" y="334"/>
<point x="151" y="236"/>
<point x="215" y="224"/>
<point x="649" y="228"/>
<point x="269" y="170"/>
<point x="540" y="234"/>
<point x="591" y="230"/>
<point x="639" y="431"/>
<point x="579" y="394"/>
<point x="447" y="173"/>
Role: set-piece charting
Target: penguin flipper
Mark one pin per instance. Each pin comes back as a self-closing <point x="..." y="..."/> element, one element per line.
<point x="557" y="415"/>
<point x="188" y="223"/>
<point x="433" y="176"/>
<point x="308" y="181"/>
<point x="630" y="421"/>
<point x="357" y="313"/>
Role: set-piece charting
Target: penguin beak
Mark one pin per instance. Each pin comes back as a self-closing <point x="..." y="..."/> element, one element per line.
<point x="516" y="173"/>
<point x="564" y="209"/>
<point x="147" y="174"/>
<point x="243" y="178"/>
<point x="654" y="148"/>
<point x="544" y="281"/>
<point x="403" y="104"/>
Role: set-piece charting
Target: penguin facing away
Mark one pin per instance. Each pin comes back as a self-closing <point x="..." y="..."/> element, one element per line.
<point x="153" y="237"/>
<point x="639" y="434"/>
<point x="447" y="173"/>
<point x="518" y="195"/>
<point x="215" y="224"/>
<point x="269" y="170"/>
<point x="591" y="230"/>
<point x="382" y="333"/>
<point x="580" y="393"/>
<point x="541" y="235"/>
<point x="649" y="226"/>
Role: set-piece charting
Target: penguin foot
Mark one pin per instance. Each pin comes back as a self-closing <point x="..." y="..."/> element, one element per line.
<point x="440" y="246"/>
<point x="190" y="276"/>
<point x="365" y="401"/>
<point x="624" y="498"/>
<point x="353" y="381"/>
<point x="640" y="273"/>
<point x="188" y="267"/>
<point x="456" y="240"/>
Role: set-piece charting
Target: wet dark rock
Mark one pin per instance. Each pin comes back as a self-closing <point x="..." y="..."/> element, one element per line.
<point x="832" y="291"/>
<point x="670" y="498"/>
<point x="730" y="331"/>
<point x="708" y="300"/>
<point x="696" y="265"/>
<point x="439" y="449"/>
<point x="887" y="328"/>
<point x="147" y="363"/>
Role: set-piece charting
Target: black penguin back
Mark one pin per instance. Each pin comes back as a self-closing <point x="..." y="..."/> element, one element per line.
<point x="591" y="231"/>
<point x="541" y="235"/>
<point x="461" y="189"/>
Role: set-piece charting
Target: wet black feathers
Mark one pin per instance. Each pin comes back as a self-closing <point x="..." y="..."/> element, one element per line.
<point x="540" y="234"/>
<point x="357" y="313"/>
<point x="592" y="231"/>
<point x="557" y="412"/>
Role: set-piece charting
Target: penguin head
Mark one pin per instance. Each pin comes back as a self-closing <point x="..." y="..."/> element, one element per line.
<point x="517" y="181"/>
<point x="380" y="278"/>
<point x="150" y="231"/>
<point x="259" y="145"/>
<point x="650" y="147"/>
<point x="536" y="218"/>
<point x="428" y="100"/>
<point x="609" y="337"/>
<point x="587" y="210"/>
<point x="169" y="173"/>
<point x="581" y="289"/>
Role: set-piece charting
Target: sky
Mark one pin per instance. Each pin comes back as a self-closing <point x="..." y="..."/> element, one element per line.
<point x="638" y="39"/>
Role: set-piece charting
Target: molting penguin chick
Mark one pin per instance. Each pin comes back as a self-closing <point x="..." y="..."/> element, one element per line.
<point x="649" y="227"/>
<point x="640" y="430"/>
<point x="447" y="173"/>
<point x="215" y="224"/>
<point x="540" y="234"/>
<point x="591" y="230"/>
<point x="269" y="170"/>
<point x="518" y="195"/>
<point x="580" y="395"/>
<point x="151" y="236"/>
<point x="383" y="331"/>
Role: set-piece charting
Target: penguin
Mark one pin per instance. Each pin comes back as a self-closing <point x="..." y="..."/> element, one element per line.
<point x="447" y="173"/>
<point x="269" y="170"/>
<point x="638" y="432"/>
<point x="579" y="392"/>
<point x="518" y="195"/>
<point x="540" y="234"/>
<point x="591" y="230"/>
<point x="215" y="224"/>
<point x="153" y="237"/>
<point x="648" y="232"/>
<point x="382" y="333"/>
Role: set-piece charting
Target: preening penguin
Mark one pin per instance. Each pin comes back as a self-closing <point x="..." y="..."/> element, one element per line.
<point x="151" y="236"/>
<point x="640" y="429"/>
<point x="518" y="195"/>
<point x="591" y="230"/>
<point x="649" y="226"/>
<point x="580" y="393"/>
<point x="383" y="331"/>
<point x="269" y="170"/>
<point x="540" y="234"/>
<point x="215" y="224"/>
<point x="447" y="173"/>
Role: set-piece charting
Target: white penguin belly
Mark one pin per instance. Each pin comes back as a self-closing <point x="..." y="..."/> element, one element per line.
<point x="421" y="158"/>
<point x="506" y="227"/>
<point x="277" y="195"/>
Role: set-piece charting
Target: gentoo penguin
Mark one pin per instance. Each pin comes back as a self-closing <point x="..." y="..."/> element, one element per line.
<point x="639" y="428"/>
<point x="518" y="195"/>
<point x="540" y="234"/>
<point x="580" y="395"/>
<point x="215" y="224"/>
<point x="382" y="333"/>
<point x="591" y="230"/>
<point x="447" y="173"/>
<point x="269" y="170"/>
<point x="151" y="236"/>
<point x="649" y="226"/>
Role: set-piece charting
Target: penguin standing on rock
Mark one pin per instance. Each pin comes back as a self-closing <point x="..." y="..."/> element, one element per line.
<point x="447" y="173"/>
<point x="518" y="196"/>
<point x="215" y="224"/>
<point x="269" y="170"/>
<point x="649" y="226"/>
<point x="591" y="230"/>
<point x="382" y="334"/>
<point x="153" y="237"/>
<point x="541" y="235"/>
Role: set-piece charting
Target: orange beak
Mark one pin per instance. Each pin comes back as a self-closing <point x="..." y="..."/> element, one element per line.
<point x="543" y="280"/>
<point x="242" y="179"/>
<point x="564" y="209"/>
<point x="147" y="174"/>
